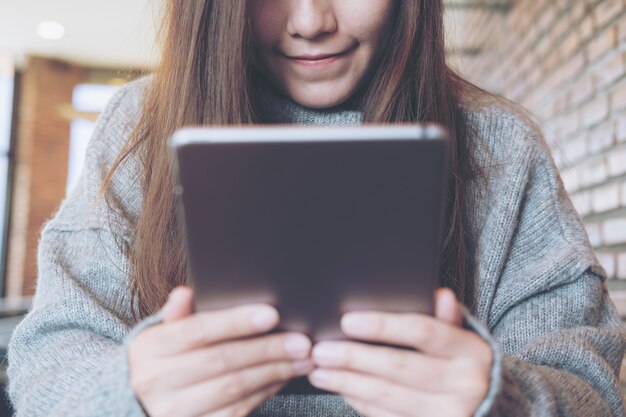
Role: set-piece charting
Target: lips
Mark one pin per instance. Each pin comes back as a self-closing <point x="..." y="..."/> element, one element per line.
<point x="318" y="56"/>
<point x="315" y="57"/>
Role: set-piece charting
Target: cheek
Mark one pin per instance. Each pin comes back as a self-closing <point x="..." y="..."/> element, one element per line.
<point x="368" y="21"/>
<point x="267" y="22"/>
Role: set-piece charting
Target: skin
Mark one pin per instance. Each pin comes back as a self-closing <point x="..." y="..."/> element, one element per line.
<point x="242" y="366"/>
<point x="446" y="370"/>
<point x="287" y="29"/>
<point x="446" y="373"/>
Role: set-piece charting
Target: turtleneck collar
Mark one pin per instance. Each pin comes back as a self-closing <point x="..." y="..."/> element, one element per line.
<point x="277" y="108"/>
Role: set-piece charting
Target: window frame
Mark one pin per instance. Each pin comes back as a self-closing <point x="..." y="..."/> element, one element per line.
<point x="10" y="155"/>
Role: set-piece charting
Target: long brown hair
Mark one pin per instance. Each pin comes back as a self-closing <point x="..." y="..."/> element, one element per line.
<point x="205" y="77"/>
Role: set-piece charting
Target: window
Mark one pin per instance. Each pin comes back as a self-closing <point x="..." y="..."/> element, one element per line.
<point x="7" y="85"/>
<point x="88" y="101"/>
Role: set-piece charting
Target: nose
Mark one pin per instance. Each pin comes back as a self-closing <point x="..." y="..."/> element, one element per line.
<point x="311" y="18"/>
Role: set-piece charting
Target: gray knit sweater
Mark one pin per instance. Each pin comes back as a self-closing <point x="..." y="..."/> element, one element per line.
<point x="542" y="299"/>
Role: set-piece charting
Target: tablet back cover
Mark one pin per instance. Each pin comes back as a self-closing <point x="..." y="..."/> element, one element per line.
<point x="316" y="228"/>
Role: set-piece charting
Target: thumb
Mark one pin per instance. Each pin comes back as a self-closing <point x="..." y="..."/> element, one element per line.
<point x="447" y="307"/>
<point x="179" y="304"/>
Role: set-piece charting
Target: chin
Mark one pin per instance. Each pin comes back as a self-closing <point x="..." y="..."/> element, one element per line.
<point x="319" y="104"/>
<point x="320" y="98"/>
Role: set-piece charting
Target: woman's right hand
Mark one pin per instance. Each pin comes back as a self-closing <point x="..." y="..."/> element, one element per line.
<point x="217" y="363"/>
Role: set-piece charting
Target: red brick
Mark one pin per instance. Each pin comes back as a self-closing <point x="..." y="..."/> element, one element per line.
<point x="621" y="266"/>
<point x="618" y="97"/>
<point x="602" y="43"/>
<point x="570" y="45"/>
<point x="605" y="198"/>
<point x="566" y="62"/>
<point x="594" y="233"/>
<point x="593" y="172"/>
<point x="586" y="28"/>
<point x="601" y="138"/>
<point x="620" y="131"/>
<point x="576" y="13"/>
<point x="572" y="68"/>
<point x="596" y="111"/>
<point x="543" y="47"/>
<point x="574" y="150"/>
<point x="41" y="162"/>
<point x="560" y="28"/>
<point x="607" y="260"/>
<point x="582" y="90"/>
<point x="571" y="180"/>
<point x="617" y="162"/>
<point x="613" y="70"/>
<point x="606" y="11"/>
<point x="614" y="231"/>
<point x="546" y="18"/>
<point x="621" y="31"/>
<point x="560" y="104"/>
<point x="552" y="60"/>
<point x="535" y="76"/>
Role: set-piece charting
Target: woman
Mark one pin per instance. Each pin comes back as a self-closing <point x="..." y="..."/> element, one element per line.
<point x="541" y="336"/>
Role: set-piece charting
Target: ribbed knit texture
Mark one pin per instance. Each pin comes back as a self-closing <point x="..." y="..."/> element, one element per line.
<point x="542" y="300"/>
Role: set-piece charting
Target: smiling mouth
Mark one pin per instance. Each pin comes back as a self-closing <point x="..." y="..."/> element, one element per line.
<point x="318" y="59"/>
<point x="315" y="57"/>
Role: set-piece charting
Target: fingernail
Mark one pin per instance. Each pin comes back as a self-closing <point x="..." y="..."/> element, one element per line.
<point x="297" y="346"/>
<point x="354" y="323"/>
<point x="320" y="377"/>
<point x="302" y="367"/>
<point x="325" y="353"/>
<point x="264" y="318"/>
<point x="172" y="299"/>
<point x="174" y="294"/>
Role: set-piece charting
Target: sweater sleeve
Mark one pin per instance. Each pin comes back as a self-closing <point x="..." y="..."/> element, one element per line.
<point x="565" y="367"/>
<point x="67" y="357"/>
<point x="557" y="337"/>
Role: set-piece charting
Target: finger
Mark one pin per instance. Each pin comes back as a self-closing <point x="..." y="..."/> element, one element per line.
<point x="179" y="304"/>
<point x="367" y="409"/>
<point x="380" y="393"/>
<point x="408" y="368"/>
<point x="447" y="307"/>
<point x="246" y="406"/>
<point x="229" y="357"/>
<point x="211" y="327"/>
<point x="233" y="387"/>
<point x="427" y="334"/>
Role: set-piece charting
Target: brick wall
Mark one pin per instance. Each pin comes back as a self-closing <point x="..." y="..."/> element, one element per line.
<point x="41" y="162"/>
<point x="565" y="61"/>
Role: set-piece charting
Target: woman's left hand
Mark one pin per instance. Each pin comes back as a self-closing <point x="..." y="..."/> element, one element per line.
<point x="446" y="375"/>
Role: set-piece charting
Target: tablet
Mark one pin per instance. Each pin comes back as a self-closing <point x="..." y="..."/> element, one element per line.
<point x="317" y="221"/>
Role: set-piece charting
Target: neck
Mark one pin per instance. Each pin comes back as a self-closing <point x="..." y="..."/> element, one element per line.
<point x="276" y="108"/>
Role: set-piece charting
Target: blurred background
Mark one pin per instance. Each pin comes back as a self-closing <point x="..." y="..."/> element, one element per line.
<point x="60" y="62"/>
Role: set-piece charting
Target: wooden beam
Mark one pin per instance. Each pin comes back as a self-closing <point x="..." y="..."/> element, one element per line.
<point x="497" y="6"/>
